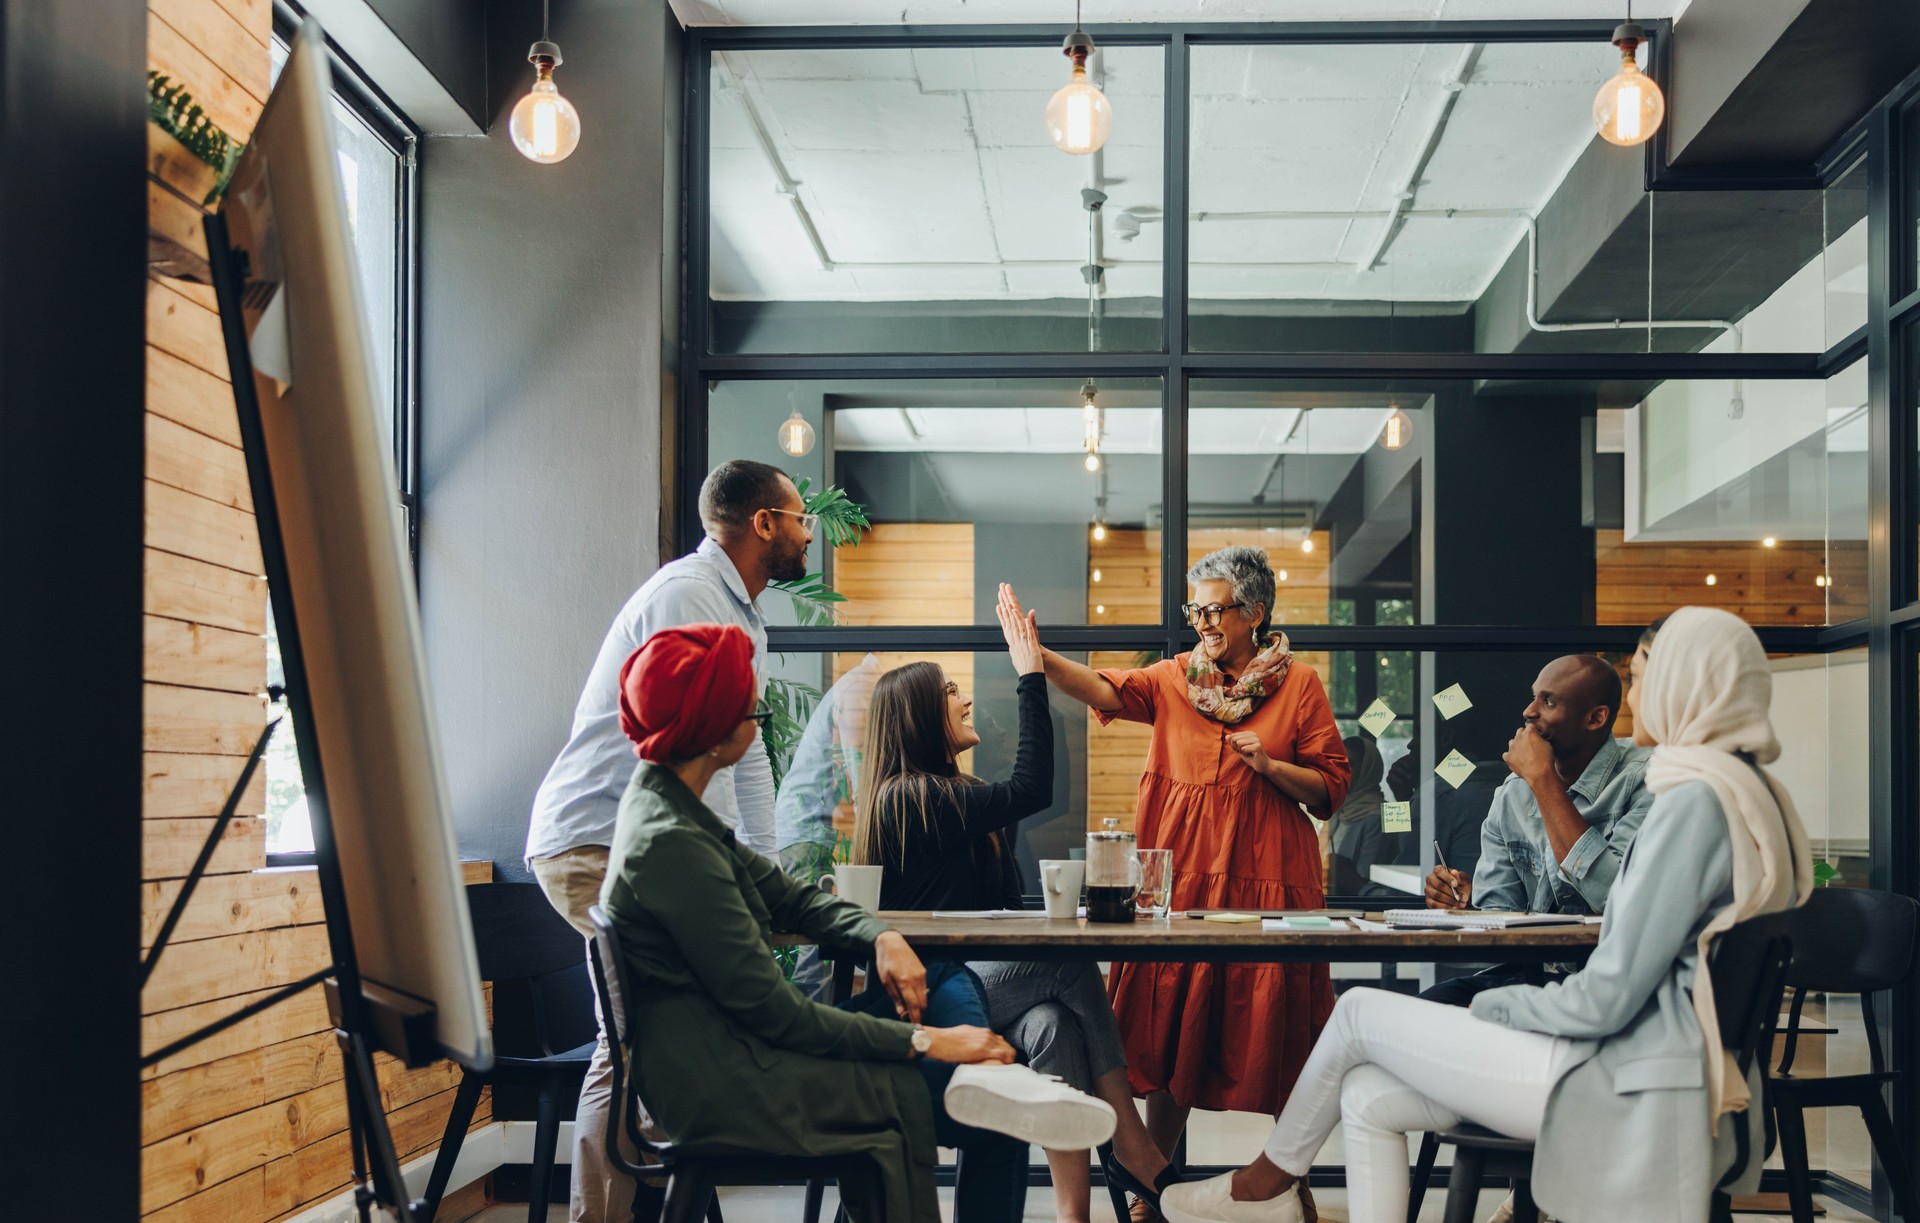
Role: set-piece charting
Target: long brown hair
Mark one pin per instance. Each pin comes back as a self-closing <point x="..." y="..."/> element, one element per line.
<point x="907" y="758"/>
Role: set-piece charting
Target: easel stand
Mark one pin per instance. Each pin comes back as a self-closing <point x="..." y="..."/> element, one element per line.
<point x="366" y="1017"/>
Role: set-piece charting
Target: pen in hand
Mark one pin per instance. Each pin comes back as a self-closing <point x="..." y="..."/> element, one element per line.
<point x="1440" y="856"/>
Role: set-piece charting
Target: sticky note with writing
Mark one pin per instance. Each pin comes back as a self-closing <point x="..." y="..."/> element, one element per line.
<point x="1396" y="817"/>
<point x="1377" y="718"/>
<point x="1452" y="702"/>
<point x="1455" y="769"/>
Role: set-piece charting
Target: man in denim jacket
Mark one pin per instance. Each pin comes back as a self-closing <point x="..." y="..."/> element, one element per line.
<point x="1558" y="828"/>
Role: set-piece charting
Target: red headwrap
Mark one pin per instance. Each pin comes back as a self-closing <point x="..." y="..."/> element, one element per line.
<point x="685" y="690"/>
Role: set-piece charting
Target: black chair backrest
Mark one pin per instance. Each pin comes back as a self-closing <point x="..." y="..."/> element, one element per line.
<point x="524" y="945"/>
<point x="1853" y="941"/>
<point x="1748" y="966"/>
<point x="614" y="986"/>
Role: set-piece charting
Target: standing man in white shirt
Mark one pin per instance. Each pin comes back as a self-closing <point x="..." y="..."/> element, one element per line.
<point x="758" y="532"/>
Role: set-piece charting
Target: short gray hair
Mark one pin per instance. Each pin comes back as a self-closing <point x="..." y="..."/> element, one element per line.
<point x="1244" y="569"/>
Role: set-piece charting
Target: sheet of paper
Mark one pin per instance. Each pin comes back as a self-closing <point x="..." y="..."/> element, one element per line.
<point x="1299" y="923"/>
<point x="1396" y="817"/>
<point x="1455" y="769"/>
<point x="1235" y="918"/>
<point x="1371" y="927"/>
<point x="1377" y="718"/>
<point x="1452" y="702"/>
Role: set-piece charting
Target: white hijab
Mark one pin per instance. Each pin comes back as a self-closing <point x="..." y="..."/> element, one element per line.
<point x="1706" y="695"/>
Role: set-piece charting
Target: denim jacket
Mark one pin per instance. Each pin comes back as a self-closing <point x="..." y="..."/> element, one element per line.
<point x="1518" y="871"/>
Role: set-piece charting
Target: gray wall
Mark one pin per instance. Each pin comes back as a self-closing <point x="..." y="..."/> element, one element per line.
<point x="540" y="419"/>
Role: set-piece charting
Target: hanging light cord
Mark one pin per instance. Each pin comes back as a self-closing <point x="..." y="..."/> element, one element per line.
<point x="546" y="19"/>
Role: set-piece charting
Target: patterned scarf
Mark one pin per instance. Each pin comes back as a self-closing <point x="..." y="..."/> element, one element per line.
<point x="1229" y="703"/>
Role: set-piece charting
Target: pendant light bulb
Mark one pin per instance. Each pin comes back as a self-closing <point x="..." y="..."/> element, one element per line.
<point x="1093" y="460"/>
<point x="1629" y="107"/>
<point x="1398" y="430"/>
<point x="1079" y="118"/>
<point x="1306" y="544"/>
<point x="1099" y="532"/>
<point x="545" y="127"/>
<point x="796" y="435"/>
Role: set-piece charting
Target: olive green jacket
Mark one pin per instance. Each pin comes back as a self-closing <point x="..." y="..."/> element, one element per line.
<point x="729" y="1055"/>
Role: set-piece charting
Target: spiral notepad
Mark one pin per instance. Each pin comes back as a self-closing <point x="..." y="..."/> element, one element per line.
<point x="1457" y="919"/>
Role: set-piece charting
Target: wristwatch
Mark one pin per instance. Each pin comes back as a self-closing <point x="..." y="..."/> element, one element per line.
<point x="922" y="1041"/>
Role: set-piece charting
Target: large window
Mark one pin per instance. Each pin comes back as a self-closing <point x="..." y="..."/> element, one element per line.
<point x="1381" y="305"/>
<point x="376" y="163"/>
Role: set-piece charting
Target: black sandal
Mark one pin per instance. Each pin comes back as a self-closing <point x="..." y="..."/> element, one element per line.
<point x="1116" y="1174"/>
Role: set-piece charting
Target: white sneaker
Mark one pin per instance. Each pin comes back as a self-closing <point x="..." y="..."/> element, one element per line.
<point x="1039" y="1108"/>
<point x="1211" y="1201"/>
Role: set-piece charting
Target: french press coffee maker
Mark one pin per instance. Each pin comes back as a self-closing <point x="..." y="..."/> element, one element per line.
<point x="1113" y="873"/>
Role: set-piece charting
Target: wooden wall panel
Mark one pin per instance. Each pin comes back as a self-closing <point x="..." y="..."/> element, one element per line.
<point x="907" y="573"/>
<point x="182" y="588"/>
<point x="186" y="654"/>
<point x="182" y="786"/>
<point x="188" y="395"/>
<point x="1636" y="582"/>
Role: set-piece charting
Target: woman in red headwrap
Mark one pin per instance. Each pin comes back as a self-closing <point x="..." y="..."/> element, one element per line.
<point x="731" y="1054"/>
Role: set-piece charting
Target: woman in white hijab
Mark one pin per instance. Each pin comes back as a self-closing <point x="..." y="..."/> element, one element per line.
<point x="1616" y="1072"/>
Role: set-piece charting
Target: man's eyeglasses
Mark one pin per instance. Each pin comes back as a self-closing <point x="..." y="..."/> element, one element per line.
<point x="1209" y="614"/>
<point x="807" y="521"/>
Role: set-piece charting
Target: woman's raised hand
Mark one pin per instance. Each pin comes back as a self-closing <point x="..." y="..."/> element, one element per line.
<point x="1022" y="631"/>
<point x="968" y="1046"/>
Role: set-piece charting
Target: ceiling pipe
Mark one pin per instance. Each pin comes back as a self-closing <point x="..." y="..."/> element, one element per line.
<point x="784" y="184"/>
<point x="1410" y="187"/>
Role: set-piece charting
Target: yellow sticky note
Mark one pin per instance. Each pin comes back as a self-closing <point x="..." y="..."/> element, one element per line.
<point x="1455" y="769"/>
<point x="1377" y="718"/>
<point x="1452" y="702"/>
<point x="1232" y="917"/>
<point x="1397" y="817"/>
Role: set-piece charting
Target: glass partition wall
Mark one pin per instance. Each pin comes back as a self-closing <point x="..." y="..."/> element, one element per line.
<point x="1376" y="301"/>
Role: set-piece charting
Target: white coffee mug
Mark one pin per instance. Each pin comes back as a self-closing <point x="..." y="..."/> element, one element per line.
<point x="856" y="884"/>
<point x="1060" y="881"/>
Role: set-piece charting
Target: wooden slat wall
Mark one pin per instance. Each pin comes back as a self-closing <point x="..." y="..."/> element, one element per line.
<point x="1634" y="583"/>
<point x="251" y="1125"/>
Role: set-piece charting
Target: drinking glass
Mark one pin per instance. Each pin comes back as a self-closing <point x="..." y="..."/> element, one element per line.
<point x="1155" y="896"/>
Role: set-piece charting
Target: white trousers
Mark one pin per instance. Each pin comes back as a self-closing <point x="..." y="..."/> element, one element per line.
<point x="1389" y="1065"/>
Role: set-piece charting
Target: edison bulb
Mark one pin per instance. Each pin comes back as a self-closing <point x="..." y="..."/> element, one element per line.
<point x="1093" y="461"/>
<point x="545" y="127"/>
<point x="1713" y="579"/>
<point x="1282" y="575"/>
<point x="1629" y="107"/>
<point x="1079" y="118"/>
<point x="1397" y="432"/>
<point x="1306" y="545"/>
<point x="1099" y="532"/>
<point x="796" y="435"/>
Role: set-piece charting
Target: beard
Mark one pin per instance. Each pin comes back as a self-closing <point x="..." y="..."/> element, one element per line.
<point x="789" y="562"/>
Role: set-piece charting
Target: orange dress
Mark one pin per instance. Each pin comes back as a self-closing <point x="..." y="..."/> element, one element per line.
<point x="1227" y="1036"/>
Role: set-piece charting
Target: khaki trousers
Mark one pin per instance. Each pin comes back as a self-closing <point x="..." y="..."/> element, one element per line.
<point x="601" y="1193"/>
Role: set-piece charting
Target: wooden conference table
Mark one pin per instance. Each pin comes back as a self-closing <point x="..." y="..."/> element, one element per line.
<point x="1193" y="940"/>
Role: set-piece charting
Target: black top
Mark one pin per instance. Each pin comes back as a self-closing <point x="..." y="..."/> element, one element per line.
<point x="958" y="855"/>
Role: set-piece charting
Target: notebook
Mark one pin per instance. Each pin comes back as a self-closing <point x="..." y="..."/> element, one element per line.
<point x="1474" y="919"/>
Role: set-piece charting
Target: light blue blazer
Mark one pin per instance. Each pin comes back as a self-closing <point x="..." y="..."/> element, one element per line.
<point x="1626" y="1133"/>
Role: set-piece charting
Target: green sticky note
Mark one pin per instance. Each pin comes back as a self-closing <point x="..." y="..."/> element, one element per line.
<point x="1377" y="718"/>
<point x="1452" y="702"/>
<point x="1396" y="817"/>
<point x="1455" y="769"/>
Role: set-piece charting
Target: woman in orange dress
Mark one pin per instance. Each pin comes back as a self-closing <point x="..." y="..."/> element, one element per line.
<point x="1244" y="746"/>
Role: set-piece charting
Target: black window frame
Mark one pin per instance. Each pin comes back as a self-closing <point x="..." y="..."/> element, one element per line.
<point x="1890" y="630"/>
<point x="355" y="90"/>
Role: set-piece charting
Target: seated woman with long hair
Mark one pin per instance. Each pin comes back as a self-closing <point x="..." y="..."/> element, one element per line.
<point x="734" y="1058"/>
<point x="943" y="838"/>
<point x="1616" y="1072"/>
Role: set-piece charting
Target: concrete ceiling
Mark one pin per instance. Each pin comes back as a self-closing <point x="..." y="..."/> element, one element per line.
<point x="906" y="174"/>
